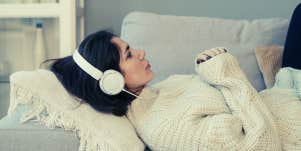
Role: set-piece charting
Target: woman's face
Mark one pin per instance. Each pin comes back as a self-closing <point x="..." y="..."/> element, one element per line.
<point x="135" y="68"/>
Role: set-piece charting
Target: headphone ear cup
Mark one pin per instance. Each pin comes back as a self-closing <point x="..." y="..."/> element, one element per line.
<point x="112" y="82"/>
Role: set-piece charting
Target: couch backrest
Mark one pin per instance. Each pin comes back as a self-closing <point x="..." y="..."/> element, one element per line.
<point x="172" y="42"/>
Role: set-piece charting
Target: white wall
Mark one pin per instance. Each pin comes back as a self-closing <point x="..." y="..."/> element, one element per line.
<point x="109" y="13"/>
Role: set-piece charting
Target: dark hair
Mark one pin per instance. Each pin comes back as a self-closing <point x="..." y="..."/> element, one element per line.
<point x="99" y="51"/>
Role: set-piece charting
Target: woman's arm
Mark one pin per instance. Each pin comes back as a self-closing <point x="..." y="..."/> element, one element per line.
<point x="250" y="124"/>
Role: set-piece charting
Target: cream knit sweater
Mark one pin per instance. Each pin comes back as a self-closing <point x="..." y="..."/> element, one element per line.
<point x="216" y="109"/>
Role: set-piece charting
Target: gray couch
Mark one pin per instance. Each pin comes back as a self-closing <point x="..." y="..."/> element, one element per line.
<point x="171" y="43"/>
<point x="34" y="137"/>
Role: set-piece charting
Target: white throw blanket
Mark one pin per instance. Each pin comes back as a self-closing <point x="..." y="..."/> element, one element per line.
<point x="217" y="109"/>
<point x="49" y="103"/>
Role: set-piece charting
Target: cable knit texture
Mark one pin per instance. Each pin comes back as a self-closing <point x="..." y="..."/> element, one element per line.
<point x="216" y="109"/>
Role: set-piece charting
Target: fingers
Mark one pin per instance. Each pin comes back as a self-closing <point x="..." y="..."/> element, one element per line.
<point x="209" y="53"/>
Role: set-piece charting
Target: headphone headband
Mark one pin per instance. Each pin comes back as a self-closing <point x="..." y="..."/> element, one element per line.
<point x="86" y="66"/>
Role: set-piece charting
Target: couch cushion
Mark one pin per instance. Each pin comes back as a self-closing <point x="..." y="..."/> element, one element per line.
<point x="32" y="136"/>
<point x="269" y="59"/>
<point x="172" y="42"/>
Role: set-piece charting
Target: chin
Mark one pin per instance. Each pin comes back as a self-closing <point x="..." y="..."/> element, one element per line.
<point x="152" y="75"/>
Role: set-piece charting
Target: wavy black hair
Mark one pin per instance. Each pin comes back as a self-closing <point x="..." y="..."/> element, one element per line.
<point x="98" y="49"/>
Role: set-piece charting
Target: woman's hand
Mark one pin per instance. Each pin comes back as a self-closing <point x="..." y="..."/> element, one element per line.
<point x="208" y="54"/>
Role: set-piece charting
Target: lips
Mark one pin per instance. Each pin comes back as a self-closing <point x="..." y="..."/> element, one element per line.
<point x="148" y="66"/>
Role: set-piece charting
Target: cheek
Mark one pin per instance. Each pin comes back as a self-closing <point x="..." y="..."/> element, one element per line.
<point x="136" y="76"/>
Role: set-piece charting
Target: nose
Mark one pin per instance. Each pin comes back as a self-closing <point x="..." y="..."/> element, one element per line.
<point x="141" y="54"/>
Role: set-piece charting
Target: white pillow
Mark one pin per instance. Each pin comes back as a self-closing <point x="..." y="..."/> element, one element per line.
<point x="51" y="104"/>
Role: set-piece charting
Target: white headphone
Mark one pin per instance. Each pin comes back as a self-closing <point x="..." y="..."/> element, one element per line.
<point x="111" y="81"/>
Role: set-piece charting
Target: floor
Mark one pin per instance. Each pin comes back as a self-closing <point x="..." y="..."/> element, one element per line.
<point x="4" y="98"/>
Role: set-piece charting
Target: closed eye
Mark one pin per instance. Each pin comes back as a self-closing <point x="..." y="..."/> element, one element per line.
<point x="129" y="55"/>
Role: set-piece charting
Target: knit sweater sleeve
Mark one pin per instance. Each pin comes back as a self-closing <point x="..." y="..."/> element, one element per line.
<point x="250" y="125"/>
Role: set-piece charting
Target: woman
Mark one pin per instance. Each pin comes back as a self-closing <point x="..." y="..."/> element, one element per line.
<point x="217" y="109"/>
